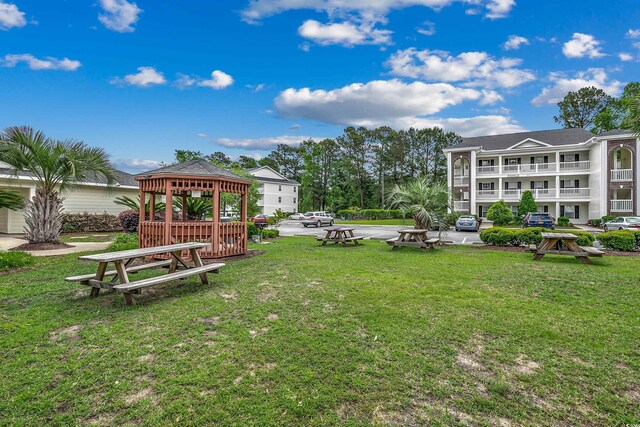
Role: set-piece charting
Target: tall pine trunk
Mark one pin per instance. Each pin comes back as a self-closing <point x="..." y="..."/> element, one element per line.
<point x="43" y="217"/>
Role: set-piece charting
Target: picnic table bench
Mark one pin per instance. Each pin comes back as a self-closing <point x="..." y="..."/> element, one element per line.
<point x="413" y="238"/>
<point x="565" y="244"/>
<point x="339" y="235"/>
<point x="122" y="261"/>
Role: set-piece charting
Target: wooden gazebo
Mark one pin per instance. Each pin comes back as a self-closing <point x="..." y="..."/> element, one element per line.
<point x="195" y="178"/>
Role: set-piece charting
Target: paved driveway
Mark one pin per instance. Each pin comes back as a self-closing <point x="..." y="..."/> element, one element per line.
<point x="383" y="232"/>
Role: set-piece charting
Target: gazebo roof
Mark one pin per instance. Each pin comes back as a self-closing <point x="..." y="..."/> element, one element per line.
<point x="198" y="167"/>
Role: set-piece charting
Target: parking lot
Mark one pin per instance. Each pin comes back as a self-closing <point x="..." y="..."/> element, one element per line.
<point x="382" y="232"/>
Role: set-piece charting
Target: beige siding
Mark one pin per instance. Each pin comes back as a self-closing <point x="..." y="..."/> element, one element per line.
<point x="96" y="200"/>
<point x="12" y="222"/>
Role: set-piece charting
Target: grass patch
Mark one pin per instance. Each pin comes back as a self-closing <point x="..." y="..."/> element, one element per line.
<point x="123" y="242"/>
<point x="407" y="222"/>
<point x="10" y="260"/>
<point x="87" y="237"/>
<point x="311" y="335"/>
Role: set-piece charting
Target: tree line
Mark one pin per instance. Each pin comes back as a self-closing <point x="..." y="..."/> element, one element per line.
<point x="356" y="169"/>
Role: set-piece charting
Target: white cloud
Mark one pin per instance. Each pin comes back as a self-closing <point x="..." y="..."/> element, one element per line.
<point x="427" y="28"/>
<point x="137" y="165"/>
<point x="391" y="102"/>
<point x="202" y="135"/>
<point x="476" y="68"/>
<point x="466" y="126"/>
<point x="266" y="143"/>
<point x="145" y="77"/>
<point x="344" y="33"/>
<point x="633" y="34"/>
<point x="257" y="88"/>
<point x="625" y="57"/>
<point x="11" y="16"/>
<point x="368" y="9"/>
<point x="219" y="80"/>
<point x="582" y="45"/>
<point x="119" y="15"/>
<point x="514" y="42"/>
<point x="34" y="63"/>
<point x="561" y="85"/>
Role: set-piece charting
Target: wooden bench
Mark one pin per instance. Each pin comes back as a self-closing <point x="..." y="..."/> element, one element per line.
<point x="123" y="259"/>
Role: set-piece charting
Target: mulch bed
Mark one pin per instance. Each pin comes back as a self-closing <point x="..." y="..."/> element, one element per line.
<point x="41" y="246"/>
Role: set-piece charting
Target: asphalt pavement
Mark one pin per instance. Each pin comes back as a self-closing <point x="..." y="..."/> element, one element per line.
<point x="381" y="232"/>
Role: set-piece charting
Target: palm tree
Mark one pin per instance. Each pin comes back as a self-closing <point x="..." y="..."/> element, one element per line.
<point x="11" y="200"/>
<point x="57" y="166"/>
<point x="634" y="116"/>
<point x="424" y="202"/>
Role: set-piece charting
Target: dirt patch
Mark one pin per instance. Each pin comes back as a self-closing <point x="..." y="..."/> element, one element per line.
<point x="147" y="358"/>
<point x="249" y="254"/>
<point x="41" y="246"/>
<point x="101" y="420"/>
<point x="145" y="393"/>
<point x="525" y="366"/>
<point x="210" y="321"/>
<point x="272" y="316"/>
<point x="503" y="248"/>
<point x="71" y="333"/>
<point x="266" y="295"/>
<point x="468" y="362"/>
<point x="255" y="333"/>
<point x="620" y="253"/>
<point x="229" y="296"/>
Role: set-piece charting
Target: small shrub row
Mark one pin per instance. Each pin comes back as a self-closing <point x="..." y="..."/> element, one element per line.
<point x="526" y="236"/>
<point x="88" y="223"/>
<point x="563" y="221"/>
<point x="15" y="259"/>
<point x="622" y="240"/>
<point x="129" y="220"/>
<point x="270" y="233"/>
<point x="370" y="214"/>
<point x="252" y="230"/>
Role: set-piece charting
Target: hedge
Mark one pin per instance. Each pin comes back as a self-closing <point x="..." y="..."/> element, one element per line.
<point x="622" y="240"/>
<point x="526" y="236"/>
<point x="370" y="214"/>
<point x="270" y="233"/>
<point x="86" y="222"/>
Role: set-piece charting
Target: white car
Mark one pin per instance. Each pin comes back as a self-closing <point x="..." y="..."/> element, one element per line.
<point x="623" y="223"/>
<point x="296" y="216"/>
<point x="316" y="218"/>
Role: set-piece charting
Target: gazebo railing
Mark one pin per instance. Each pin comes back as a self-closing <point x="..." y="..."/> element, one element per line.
<point x="232" y="238"/>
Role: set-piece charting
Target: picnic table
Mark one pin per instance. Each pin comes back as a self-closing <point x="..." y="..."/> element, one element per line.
<point x="122" y="261"/>
<point x="565" y="244"/>
<point x="413" y="237"/>
<point x="339" y="235"/>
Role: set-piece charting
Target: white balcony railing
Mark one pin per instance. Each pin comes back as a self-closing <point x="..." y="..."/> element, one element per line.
<point x="461" y="205"/>
<point x="487" y="170"/>
<point x="487" y="194"/>
<point x="529" y="168"/>
<point x="538" y="193"/>
<point x="461" y="180"/>
<point x="575" y="193"/>
<point x="621" y="205"/>
<point x="584" y="165"/>
<point x="622" y="175"/>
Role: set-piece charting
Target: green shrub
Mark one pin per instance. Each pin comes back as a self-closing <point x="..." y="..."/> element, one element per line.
<point x="563" y="221"/>
<point x="346" y="214"/>
<point x="252" y="230"/>
<point x="622" y="240"/>
<point x="529" y="236"/>
<point x="500" y="214"/>
<point x="123" y="242"/>
<point x="498" y="236"/>
<point x="87" y="223"/>
<point x="15" y="259"/>
<point x="608" y="218"/>
<point x="584" y="238"/>
<point x="527" y="204"/>
<point x="270" y="233"/>
<point x="596" y="222"/>
<point x="129" y="220"/>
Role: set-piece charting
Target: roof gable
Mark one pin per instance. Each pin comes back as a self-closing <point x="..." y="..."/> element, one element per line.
<point x="529" y="143"/>
<point x="266" y="172"/>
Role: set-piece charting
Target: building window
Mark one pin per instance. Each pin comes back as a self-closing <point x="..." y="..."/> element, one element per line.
<point x="295" y="189"/>
<point x="294" y="200"/>
<point x="486" y="185"/>
<point x="279" y="187"/>
<point x="279" y="199"/>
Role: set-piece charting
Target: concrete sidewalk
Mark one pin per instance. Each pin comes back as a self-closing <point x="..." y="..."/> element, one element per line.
<point x="9" y="242"/>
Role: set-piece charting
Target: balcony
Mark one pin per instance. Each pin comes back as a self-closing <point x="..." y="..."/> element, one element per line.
<point x="575" y="193"/>
<point x="488" y="170"/>
<point x="461" y="180"/>
<point x="621" y="205"/>
<point x="461" y="205"/>
<point x="621" y="174"/>
<point x="583" y="166"/>
<point x="487" y="194"/>
<point x="538" y="193"/>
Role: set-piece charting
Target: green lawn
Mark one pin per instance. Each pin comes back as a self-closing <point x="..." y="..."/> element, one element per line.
<point x="311" y="335"/>
<point x="87" y="237"/>
<point x="407" y="222"/>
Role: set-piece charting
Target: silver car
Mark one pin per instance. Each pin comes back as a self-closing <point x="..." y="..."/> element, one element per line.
<point x="468" y="223"/>
<point x="316" y="218"/>
<point x="623" y="223"/>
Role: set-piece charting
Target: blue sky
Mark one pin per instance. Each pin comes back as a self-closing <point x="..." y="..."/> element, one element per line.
<point x="135" y="77"/>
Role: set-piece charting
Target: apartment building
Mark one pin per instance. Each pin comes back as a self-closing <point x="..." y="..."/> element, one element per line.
<point x="571" y="172"/>
<point x="276" y="191"/>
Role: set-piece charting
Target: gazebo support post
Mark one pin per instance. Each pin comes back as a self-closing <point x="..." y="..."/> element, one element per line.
<point x="215" y="218"/>
<point x="152" y="207"/>
<point x="168" y="213"/>
<point x="184" y="206"/>
<point x="243" y="215"/>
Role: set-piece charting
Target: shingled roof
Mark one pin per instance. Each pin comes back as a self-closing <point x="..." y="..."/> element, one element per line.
<point x="122" y="178"/>
<point x="613" y="132"/>
<point x="551" y="137"/>
<point x="198" y="167"/>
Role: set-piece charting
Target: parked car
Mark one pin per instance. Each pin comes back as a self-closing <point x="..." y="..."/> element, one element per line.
<point x="296" y="216"/>
<point x="316" y="218"/>
<point x="261" y="218"/>
<point x="623" y="223"/>
<point x="226" y="219"/>
<point x="468" y="223"/>
<point x="435" y="225"/>
<point x="543" y="220"/>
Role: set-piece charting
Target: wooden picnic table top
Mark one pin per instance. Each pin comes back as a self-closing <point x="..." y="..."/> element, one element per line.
<point x="135" y="253"/>
<point x="413" y="231"/>
<point x="563" y="236"/>
<point x="339" y="229"/>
